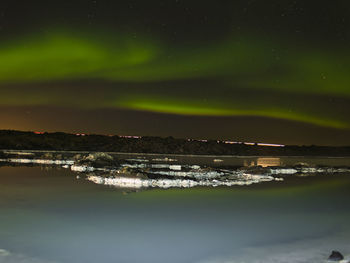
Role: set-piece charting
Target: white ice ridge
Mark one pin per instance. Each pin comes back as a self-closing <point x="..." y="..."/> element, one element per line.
<point x="166" y="159"/>
<point x="137" y="183"/>
<point x="308" y="170"/>
<point x="283" y="171"/>
<point x="324" y="170"/>
<point x="176" y="167"/>
<point x="191" y="174"/>
<point x="38" y="161"/>
<point x="82" y="168"/>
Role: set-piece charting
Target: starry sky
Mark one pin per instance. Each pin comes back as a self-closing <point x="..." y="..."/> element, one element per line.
<point x="274" y="71"/>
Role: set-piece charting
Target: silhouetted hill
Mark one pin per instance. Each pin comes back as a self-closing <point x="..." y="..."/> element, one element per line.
<point x="18" y="140"/>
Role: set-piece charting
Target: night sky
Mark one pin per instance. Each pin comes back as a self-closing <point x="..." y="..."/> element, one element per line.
<point x="263" y="71"/>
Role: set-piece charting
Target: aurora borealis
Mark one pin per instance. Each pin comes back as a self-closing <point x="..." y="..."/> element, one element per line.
<point x="222" y="69"/>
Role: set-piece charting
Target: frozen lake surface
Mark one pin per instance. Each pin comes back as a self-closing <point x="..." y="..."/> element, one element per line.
<point x="48" y="215"/>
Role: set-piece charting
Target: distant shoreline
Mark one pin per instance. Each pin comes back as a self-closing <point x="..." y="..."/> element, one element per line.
<point x="148" y="145"/>
<point x="177" y="155"/>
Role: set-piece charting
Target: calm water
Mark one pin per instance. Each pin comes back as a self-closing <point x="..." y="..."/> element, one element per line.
<point x="50" y="216"/>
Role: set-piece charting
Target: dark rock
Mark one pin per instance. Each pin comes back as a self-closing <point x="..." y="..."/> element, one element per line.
<point x="97" y="160"/>
<point x="335" y="256"/>
<point x="47" y="156"/>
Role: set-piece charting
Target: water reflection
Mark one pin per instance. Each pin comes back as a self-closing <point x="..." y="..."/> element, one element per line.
<point x="267" y="162"/>
<point x="264" y="162"/>
<point x="51" y="217"/>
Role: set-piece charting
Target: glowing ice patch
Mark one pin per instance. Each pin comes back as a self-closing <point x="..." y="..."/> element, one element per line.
<point x="4" y="253"/>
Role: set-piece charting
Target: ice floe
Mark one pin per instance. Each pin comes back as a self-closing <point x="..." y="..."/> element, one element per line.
<point x="82" y="168"/>
<point x="140" y="172"/>
<point x="166" y="159"/>
<point x="38" y="161"/>
<point x="137" y="183"/>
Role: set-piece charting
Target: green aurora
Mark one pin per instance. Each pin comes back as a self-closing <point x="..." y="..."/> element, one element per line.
<point x="244" y="61"/>
<point x="236" y="64"/>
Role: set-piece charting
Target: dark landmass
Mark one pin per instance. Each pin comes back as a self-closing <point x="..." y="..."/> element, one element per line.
<point x="59" y="141"/>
